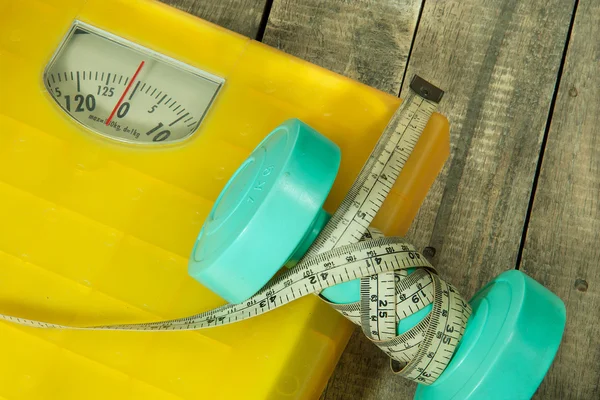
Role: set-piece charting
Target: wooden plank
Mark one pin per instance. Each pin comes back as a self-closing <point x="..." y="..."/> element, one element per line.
<point x="241" y="16"/>
<point x="498" y="61"/>
<point x="368" y="40"/>
<point x="562" y="245"/>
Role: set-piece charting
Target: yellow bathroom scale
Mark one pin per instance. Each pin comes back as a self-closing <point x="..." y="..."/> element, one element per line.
<point x="120" y="123"/>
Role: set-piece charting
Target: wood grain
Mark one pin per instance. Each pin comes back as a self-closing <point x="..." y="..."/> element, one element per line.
<point x="498" y="61"/>
<point x="368" y="40"/>
<point x="241" y="16"/>
<point x="562" y="246"/>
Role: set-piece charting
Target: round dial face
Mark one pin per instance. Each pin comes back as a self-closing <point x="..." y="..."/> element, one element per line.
<point x="126" y="92"/>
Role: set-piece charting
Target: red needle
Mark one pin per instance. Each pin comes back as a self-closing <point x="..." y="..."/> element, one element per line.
<point x="112" y="114"/>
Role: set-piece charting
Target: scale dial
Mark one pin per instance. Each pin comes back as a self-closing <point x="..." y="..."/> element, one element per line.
<point x="127" y="92"/>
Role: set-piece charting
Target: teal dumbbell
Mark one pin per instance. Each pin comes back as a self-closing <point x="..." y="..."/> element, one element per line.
<point x="270" y="212"/>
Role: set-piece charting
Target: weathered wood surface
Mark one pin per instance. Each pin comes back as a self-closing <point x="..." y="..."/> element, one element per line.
<point x="368" y="40"/>
<point x="241" y="16"/>
<point x="562" y="248"/>
<point x="499" y="63"/>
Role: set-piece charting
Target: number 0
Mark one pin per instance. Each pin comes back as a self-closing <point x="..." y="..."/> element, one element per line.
<point x="162" y="135"/>
<point x="123" y="110"/>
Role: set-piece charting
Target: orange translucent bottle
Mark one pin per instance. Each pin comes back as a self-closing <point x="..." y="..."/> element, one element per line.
<point x="427" y="159"/>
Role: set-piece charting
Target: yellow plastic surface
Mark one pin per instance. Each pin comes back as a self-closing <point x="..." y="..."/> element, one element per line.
<point x="96" y="232"/>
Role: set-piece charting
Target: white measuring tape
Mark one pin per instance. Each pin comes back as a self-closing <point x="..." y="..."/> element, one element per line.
<point x="348" y="249"/>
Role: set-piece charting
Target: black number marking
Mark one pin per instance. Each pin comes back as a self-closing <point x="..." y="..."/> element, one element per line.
<point x="157" y="127"/>
<point x="80" y="99"/>
<point x="160" y="136"/>
<point x="123" y="110"/>
<point x="106" y="91"/>
<point x="90" y="102"/>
